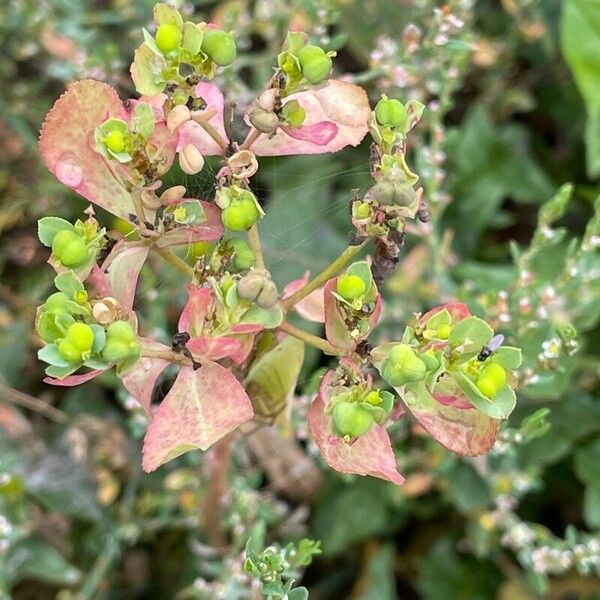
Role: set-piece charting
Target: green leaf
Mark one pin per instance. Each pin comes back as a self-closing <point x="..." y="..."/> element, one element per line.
<point x="272" y="379"/>
<point x="554" y="209"/>
<point x="143" y="120"/>
<point x="299" y="593"/>
<point x="34" y="559"/>
<point x="99" y="338"/>
<point x="580" y="37"/>
<point x="146" y="71"/>
<point x="269" y="319"/>
<point x="68" y="283"/>
<point x="163" y="13"/>
<point x="48" y="227"/>
<point x="508" y="357"/>
<point x="379" y="581"/>
<point x="192" y="38"/>
<point x="363" y="270"/>
<point x="61" y="372"/>
<point x="499" y="407"/>
<point x="471" y="331"/>
<point x="440" y="318"/>
<point x="48" y="477"/>
<point x="50" y="355"/>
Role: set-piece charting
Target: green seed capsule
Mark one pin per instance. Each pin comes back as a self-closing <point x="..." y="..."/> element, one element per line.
<point x="121" y="342"/>
<point x="444" y="331"/>
<point x="391" y="113"/>
<point x="351" y="419"/>
<point x="240" y="214"/>
<point x="55" y="303"/>
<point x="115" y="141"/>
<point x="315" y="64"/>
<point x="293" y="113"/>
<point x="243" y="258"/>
<point x="68" y="351"/>
<point x="491" y="380"/>
<point x="69" y="248"/>
<point x="81" y="336"/>
<point x="350" y="287"/>
<point x="402" y="366"/>
<point x="219" y="46"/>
<point x="168" y="37"/>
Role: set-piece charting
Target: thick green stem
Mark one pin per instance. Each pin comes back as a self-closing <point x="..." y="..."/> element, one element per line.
<point x="169" y="256"/>
<point x="337" y="265"/>
<point x="310" y="339"/>
<point x="256" y="246"/>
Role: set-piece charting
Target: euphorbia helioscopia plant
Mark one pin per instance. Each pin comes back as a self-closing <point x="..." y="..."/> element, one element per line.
<point x="238" y="355"/>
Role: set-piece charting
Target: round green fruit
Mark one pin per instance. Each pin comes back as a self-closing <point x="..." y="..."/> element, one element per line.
<point x="219" y="46"/>
<point x="444" y="332"/>
<point x="121" y="342"/>
<point x="243" y="257"/>
<point x="69" y="248"/>
<point x="350" y="287"/>
<point x="402" y="366"/>
<point x="168" y="37"/>
<point x="391" y="113"/>
<point x="240" y="214"/>
<point x="315" y="63"/>
<point x="351" y="419"/>
<point x="115" y="141"/>
<point x="491" y="380"/>
<point x="81" y="336"/>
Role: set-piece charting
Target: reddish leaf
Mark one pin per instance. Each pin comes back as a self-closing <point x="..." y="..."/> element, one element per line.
<point x="122" y="269"/>
<point x="202" y="407"/>
<point x="193" y="133"/>
<point x="336" y="330"/>
<point x="458" y="311"/>
<point x="140" y="379"/>
<point x="211" y="229"/>
<point x="465" y="431"/>
<point x="337" y="108"/>
<point x="73" y="380"/>
<point x="311" y="307"/>
<point x="67" y="145"/>
<point x="370" y="454"/>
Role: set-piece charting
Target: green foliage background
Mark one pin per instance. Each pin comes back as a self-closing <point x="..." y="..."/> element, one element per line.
<point x="513" y="94"/>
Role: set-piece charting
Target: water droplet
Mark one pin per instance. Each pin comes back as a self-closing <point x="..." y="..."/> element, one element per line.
<point x="69" y="171"/>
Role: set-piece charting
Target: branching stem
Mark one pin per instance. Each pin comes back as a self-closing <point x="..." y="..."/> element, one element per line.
<point x="310" y="339"/>
<point x="344" y="258"/>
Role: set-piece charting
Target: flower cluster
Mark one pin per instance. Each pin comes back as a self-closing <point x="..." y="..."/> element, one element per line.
<point x="238" y="356"/>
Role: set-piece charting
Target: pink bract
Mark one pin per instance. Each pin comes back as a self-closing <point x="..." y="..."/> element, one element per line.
<point x="202" y="407"/>
<point x="370" y="454"/>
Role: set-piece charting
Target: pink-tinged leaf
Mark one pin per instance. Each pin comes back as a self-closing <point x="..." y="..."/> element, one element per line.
<point x="311" y="307"/>
<point x="67" y="145"/>
<point x="199" y="304"/>
<point x="465" y="431"/>
<point x="320" y="133"/>
<point x="340" y="103"/>
<point x="458" y="311"/>
<point x="161" y="148"/>
<point x="370" y="454"/>
<point x="73" y="380"/>
<point x="336" y="330"/>
<point x="202" y="407"/>
<point x="193" y="133"/>
<point x="193" y="320"/>
<point x="217" y="348"/>
<point x="140" y="379"/>
<point x="209" y="230"/>
<point x="122" y="268"/>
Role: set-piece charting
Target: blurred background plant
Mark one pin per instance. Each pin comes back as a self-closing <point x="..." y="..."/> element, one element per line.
<point x="512" y="91"/>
